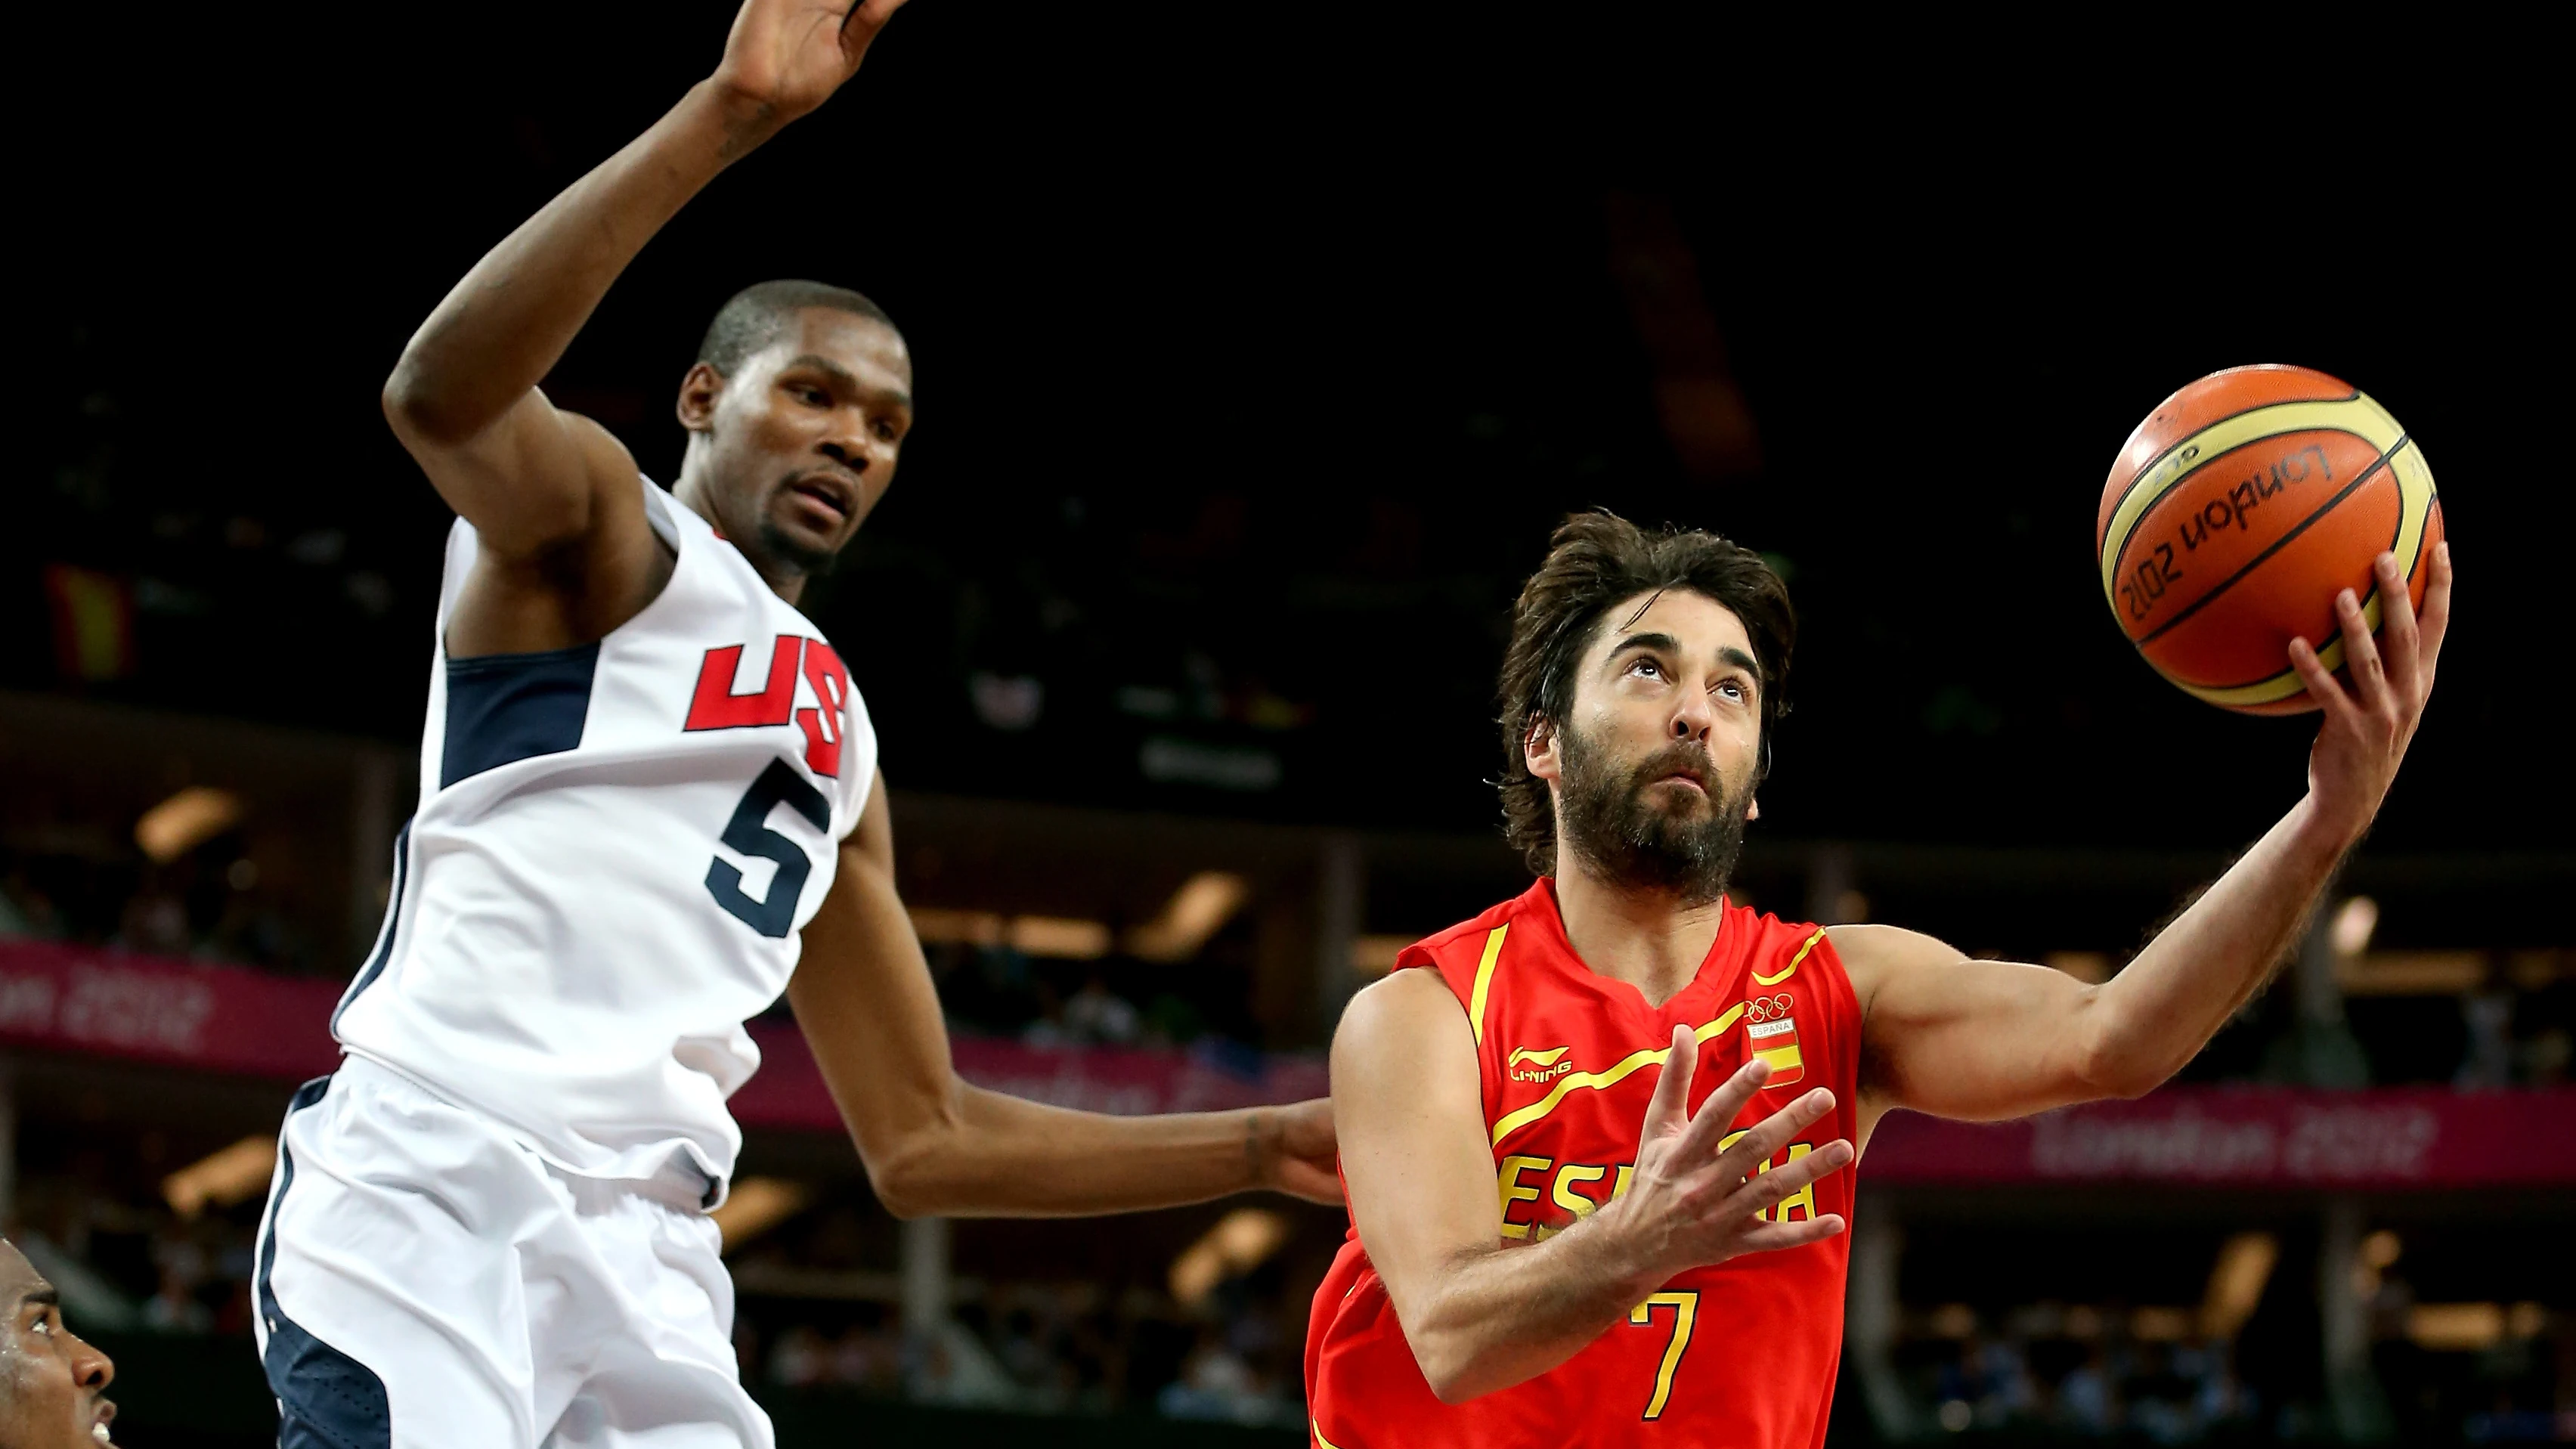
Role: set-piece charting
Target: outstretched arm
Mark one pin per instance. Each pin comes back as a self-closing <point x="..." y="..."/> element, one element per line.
<point x="464" y="397"/>
<point x="1988" y="1039"/>
<point x="935" y="1145"/>
<point x="1482" y="1313"/>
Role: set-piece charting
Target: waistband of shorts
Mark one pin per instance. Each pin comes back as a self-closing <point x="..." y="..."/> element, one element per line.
<point x="679" y="1183"/>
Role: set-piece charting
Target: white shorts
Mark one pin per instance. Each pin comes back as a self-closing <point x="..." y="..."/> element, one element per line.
<point x="426" y="1279"/>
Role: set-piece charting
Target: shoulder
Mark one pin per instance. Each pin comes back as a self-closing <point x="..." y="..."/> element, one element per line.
<point x="1397" y="1018"/>
<point x="1873" y="955"/>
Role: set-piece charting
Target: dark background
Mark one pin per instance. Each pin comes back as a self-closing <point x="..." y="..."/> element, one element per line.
<point x="1257" y="354"/>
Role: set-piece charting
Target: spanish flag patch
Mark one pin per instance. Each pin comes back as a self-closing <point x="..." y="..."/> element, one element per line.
<point x="1776" y="1042"/>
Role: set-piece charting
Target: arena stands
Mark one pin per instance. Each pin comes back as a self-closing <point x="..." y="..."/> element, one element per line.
<point x="2267" y="1245"/>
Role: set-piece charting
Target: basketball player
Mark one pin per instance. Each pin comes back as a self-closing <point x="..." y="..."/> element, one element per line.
<point x="1594" y="1138"/>
<point x="645" y="780"/>
<point x="53" y="1386"/>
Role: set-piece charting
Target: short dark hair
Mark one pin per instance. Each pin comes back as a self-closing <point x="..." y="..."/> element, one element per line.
<point x="752" y="318"/>
<point x="1594" y="561"/>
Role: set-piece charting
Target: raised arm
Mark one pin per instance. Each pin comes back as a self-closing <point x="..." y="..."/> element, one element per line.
<point x="1988" y="1039"/>
<point x="537" y="481"/>
<point x="935" y="1145"/>
<point x="1482" y="1313"/>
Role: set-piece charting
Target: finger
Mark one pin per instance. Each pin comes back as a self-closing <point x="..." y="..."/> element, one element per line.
<point x="1716" y="1115"/>
<point x="2435" y="618"/>
<point x="1773" y="1133"/>
<point x="2361" y="662"/>
<point x="1669" y="1111"/>
<point x="2404" y="652"/>
<point x="1772" y="1237"/>
<point x="1299" y="1178"/>
<point x="1787" y="1180"/>
<point x="2321" y="682"/>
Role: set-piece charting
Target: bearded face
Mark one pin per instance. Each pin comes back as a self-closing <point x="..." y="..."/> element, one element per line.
<point x="1666" y="823"/>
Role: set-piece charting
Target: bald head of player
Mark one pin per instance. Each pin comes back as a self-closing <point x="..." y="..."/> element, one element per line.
<point x="53" y="1386"/>
<point x="797" y="408"/>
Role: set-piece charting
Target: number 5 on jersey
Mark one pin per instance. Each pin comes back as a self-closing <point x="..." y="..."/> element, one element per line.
<point x="748" y="834"/>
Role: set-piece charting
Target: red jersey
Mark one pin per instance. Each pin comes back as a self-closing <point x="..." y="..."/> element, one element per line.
<point x="1742" y="1354"/>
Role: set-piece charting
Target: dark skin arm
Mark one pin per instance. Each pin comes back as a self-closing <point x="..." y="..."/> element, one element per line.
<point x="567" y="554"/>
<point x="937" y="1145"/>
<point x="1984" y="1040"/>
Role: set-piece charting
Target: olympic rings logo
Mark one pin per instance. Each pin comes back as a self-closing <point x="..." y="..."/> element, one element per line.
<point x="1769" y="1008"/>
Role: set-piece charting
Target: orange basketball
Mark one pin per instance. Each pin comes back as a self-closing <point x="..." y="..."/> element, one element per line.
<point x="2238" y="510"/>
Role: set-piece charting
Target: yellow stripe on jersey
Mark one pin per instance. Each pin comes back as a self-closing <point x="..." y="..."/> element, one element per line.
<point x="1320" y="1440"/>
<point x="1627" y="1067"/>
<point x="1792" y="968"/>
<point x="1485" y="977"/>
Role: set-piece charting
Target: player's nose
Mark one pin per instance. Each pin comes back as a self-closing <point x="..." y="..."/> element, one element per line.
<point x="91" y="1368"/>
<point x="1693" y="718"/>
<point x="849" y="453"/>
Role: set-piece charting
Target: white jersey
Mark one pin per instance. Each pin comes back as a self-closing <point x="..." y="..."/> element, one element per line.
<point x="615" y="848"/>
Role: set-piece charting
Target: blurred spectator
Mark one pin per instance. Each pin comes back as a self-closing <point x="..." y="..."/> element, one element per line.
<point x="26" y="911"/>
<point x="1095" y="1015"/>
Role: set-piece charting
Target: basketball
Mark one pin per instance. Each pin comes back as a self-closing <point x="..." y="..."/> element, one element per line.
<point x="2238" y="510"/>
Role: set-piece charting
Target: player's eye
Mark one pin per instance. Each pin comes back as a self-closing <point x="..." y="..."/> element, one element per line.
<point x="885" y="430"/>
<point x="1646" y="668"/>
<point x="812" y="396"/>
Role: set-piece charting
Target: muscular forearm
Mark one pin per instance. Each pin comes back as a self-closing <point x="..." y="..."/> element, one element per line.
<point x="1497" y="1316"/>
<point x="503" y="328"/>
<point x="2156" y="1014"/>
<point x="1002" y="1156"/>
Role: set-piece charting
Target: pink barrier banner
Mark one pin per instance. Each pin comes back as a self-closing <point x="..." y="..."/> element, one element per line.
<point x="220" y="1018"/>
<point x="2252" y="1137"/>
<point x="228" y="1019"/>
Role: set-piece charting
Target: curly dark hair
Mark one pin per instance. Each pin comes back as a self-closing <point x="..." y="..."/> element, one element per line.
<point x="1594" y="561"/>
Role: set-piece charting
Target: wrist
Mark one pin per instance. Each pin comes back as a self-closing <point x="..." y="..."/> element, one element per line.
<point x="735" y="120"/>
<point x="1627" y="1250"/>
<point x="2321" y="834"/>
<point x="1261" y="1134"/>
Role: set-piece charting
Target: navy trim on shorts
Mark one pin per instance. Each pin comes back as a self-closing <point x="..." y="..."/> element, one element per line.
<point x="384" y="951"/>
<point x="325" y="1399"/>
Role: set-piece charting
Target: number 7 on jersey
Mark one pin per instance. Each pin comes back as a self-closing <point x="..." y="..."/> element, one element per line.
<point x="1685" y="1307"/>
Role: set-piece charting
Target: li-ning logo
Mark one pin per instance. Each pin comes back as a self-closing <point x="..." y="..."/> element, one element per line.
<point x="1544" y="1066"/>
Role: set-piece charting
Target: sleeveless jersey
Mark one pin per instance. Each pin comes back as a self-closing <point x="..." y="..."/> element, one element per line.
<point x="615" y="848"/>
<point x="1742" y="1354"/>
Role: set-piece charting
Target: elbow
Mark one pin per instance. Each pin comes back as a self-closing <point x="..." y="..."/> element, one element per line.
<point x="1449" y="1366"/>
<point x="914" y="1179"/>
<point x="904" y="1188"/>
<point x="416" y="409"/>
<point x="2113" y="1068"/>
<point x="1447" y="1374"/>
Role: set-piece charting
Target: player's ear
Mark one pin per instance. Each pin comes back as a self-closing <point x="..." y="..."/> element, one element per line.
<point x="1538" y="749"/>
<point x="1753" y="809"/>
<point x="699" y="393"/>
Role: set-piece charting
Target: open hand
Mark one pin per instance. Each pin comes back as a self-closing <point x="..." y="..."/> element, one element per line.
<point x="1696" y="1205"/>
<point x="2368" y="726"/>
<point x="1293" y="1151"/>
<point x="785" y="57"/>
